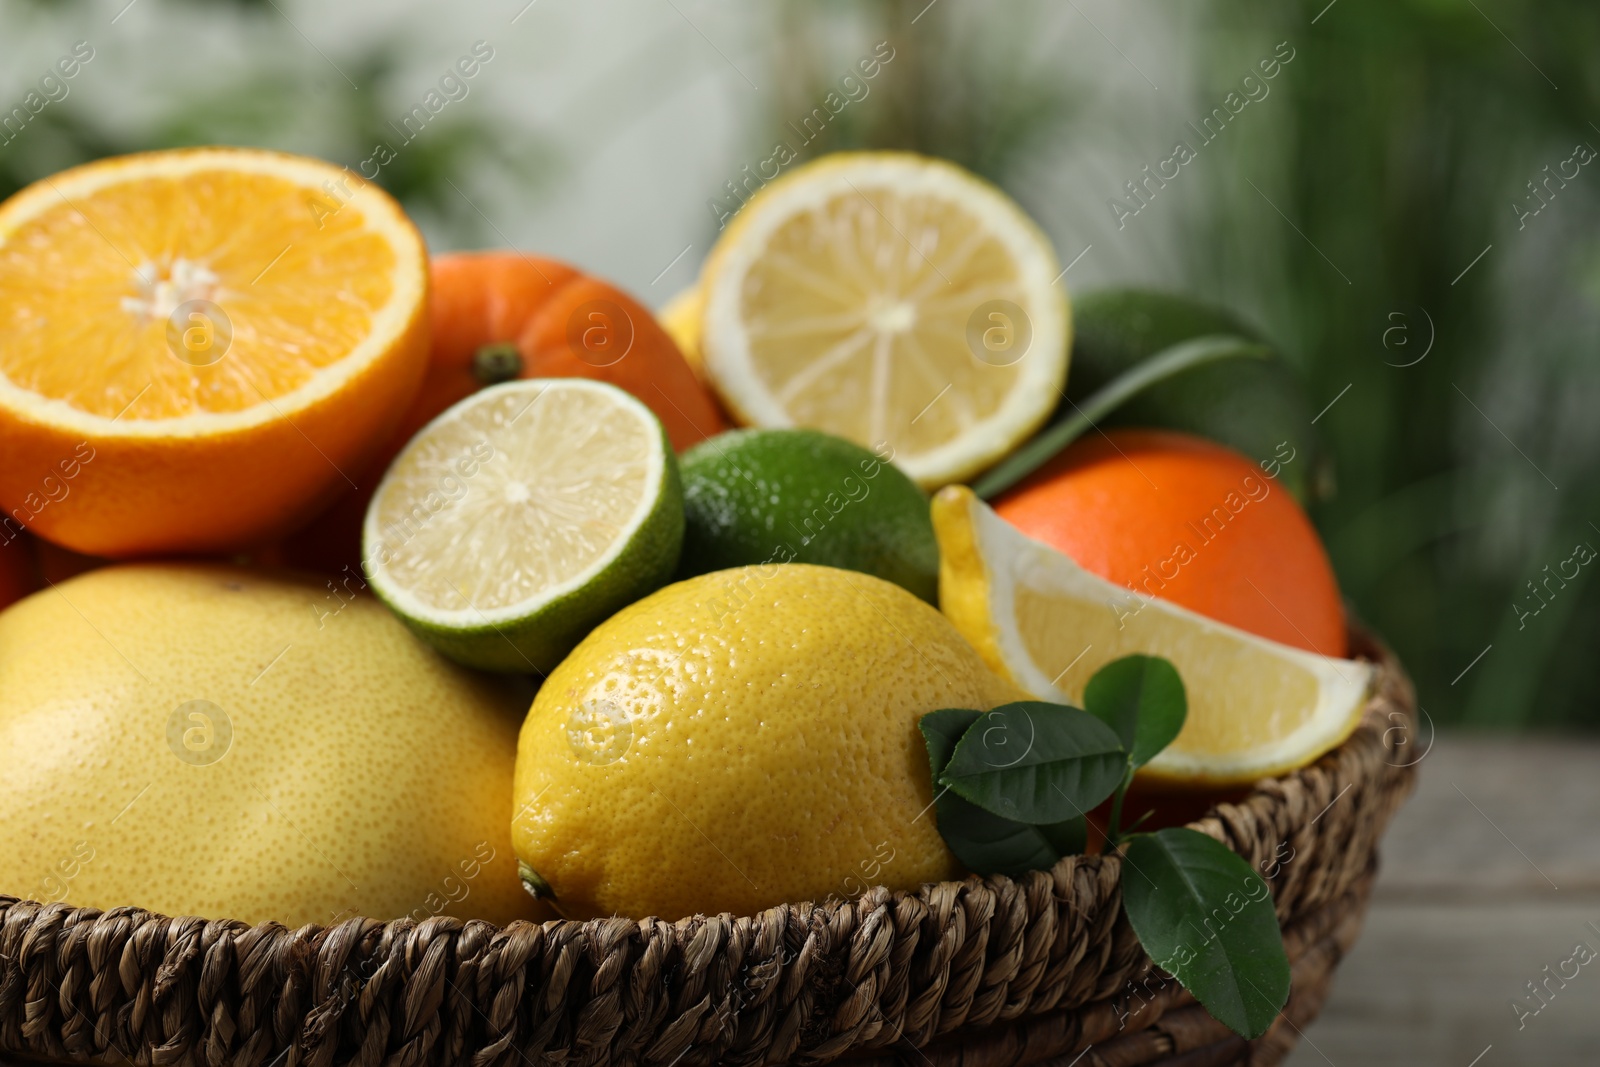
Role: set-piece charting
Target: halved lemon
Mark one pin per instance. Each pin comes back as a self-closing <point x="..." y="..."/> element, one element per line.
<point x="522" y="517"/>
<point x="199" y="345"/>
<point x="892" y="300"/>
<point x="1256" y="708"/>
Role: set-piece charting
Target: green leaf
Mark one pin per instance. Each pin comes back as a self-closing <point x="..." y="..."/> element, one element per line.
<point x="940" y="731"/>
<point x="1205" y="916"/>
<point x="986" y="843"/>
<point x="1036" y="763"/>
<point x="1069" y="837"/>
<point x="1142" y="699"/>
<point x="1159" y="367"/>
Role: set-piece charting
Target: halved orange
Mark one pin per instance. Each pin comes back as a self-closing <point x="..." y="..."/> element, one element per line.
<point x="198" y="346"/>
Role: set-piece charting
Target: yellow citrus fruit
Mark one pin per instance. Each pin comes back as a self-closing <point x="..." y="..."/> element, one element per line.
<point x="681" y="319"/>
<point x="206" y="740"/>
<point x="200" y="345"/>
<point x="891" y="300"/>
<point x="741" y="739"/>
<point x="1256" y="707"/>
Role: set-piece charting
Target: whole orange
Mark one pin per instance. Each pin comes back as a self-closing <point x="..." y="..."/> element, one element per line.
<point x="502" y="315"/>
<point x="562" y="323"/>
<point x="1189" y="521"/>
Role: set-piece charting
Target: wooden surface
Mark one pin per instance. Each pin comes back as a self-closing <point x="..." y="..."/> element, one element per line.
<point x="1490" y="873"/>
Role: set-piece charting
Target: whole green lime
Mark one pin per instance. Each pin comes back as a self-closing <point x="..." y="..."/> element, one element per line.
<point x="800" y="496"/>
<point x="1254" y="406"/>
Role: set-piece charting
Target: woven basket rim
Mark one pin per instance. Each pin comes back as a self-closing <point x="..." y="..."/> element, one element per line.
<point x="804" y="982"/>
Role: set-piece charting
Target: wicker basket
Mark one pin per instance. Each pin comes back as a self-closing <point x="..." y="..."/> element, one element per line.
<point x="982" y="973"/>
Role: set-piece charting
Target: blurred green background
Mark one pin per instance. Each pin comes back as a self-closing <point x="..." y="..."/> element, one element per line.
<point x="1373" y="213"/>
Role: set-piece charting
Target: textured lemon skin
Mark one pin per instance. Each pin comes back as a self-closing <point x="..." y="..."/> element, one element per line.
<point x="759" y="745"/>
<point x="365" y="775"/>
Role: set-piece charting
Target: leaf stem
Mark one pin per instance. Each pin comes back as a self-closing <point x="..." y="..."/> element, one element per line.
<point x="1164" y="364"/>
<point x="1114" y="823"/>
<point x="1140" y="821"/>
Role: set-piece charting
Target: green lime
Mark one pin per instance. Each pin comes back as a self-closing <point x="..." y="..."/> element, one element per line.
<point x="1255" y="406"/>
<point x="801" y="496"/>
<point x="523" y="517"/>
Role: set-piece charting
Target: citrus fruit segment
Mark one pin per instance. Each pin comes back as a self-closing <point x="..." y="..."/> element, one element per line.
<point x="199" y="344"/>
<point x="1256" y="707"/>
<point x="891" y="300"/>
<point x="523" y="516"/>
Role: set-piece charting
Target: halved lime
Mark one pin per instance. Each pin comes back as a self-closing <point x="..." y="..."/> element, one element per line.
<point x="522" y="517"/>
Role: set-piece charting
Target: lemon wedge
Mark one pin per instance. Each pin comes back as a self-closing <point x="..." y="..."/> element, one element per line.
<point x="1256" y="708"/>
<point x="891" y="300"/>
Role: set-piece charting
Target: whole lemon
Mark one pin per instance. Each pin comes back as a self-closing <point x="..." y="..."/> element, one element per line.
<point x="206" y="740"/>
<point x="741" y="739"/>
